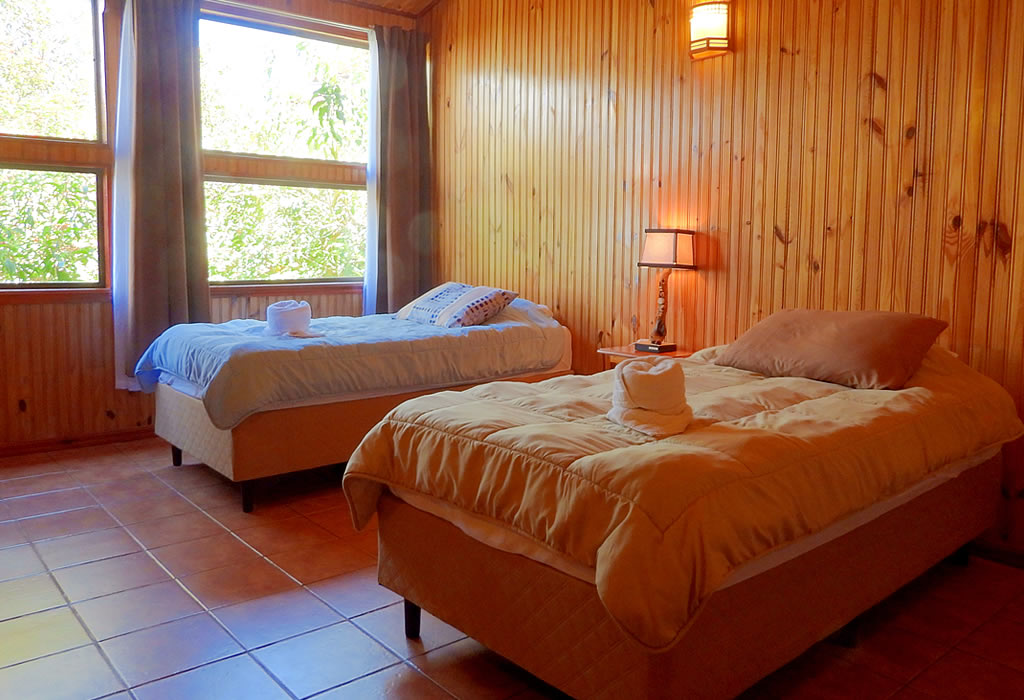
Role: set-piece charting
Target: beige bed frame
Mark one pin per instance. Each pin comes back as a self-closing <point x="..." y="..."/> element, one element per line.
<point x="555" y="626"/>
<point x="279" y="441"/>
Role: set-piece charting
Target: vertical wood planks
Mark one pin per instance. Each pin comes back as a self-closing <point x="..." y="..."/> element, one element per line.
<point x="846" y="155"/>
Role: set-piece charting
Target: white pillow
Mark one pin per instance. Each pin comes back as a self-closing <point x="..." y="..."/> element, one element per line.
<point x="454" y="305"/>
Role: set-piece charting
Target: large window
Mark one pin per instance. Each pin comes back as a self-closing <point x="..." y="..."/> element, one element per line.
<point x="285" y="130"/>
<point x="52" y="160"/>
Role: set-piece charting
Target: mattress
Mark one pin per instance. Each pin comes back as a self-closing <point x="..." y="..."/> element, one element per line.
<point x="495" y="534"/>
<point x="662" y="524"/>
<point x="237" y="370"/>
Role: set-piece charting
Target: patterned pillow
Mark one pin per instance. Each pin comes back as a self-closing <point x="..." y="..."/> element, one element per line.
<point x="454" y="305"/>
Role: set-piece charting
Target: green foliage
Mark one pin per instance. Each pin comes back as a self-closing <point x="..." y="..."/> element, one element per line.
<point x="283" y="96"/>
<point x="341" y="106"/>
<point x="48" y="230"/>
<point x="47" y="79"/>
<point x="275" y="94"/>
<point x="48" y="222"/>
<point x="268" y="232"/>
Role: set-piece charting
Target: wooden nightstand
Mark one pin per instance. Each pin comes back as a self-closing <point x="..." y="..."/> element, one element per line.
<point x="615" y="355"/>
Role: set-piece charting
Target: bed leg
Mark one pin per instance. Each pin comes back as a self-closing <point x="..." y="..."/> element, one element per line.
<point x="412" y="620"/>
<point x="247" y="496"/>
<point x="175" y="456"/>
<point x="961" y="557"/>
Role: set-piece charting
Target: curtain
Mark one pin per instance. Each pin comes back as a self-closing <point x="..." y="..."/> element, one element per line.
<point x="399" y="247"/>
<point x="160" y="274"/>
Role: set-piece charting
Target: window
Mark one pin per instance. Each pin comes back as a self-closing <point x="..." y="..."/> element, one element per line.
<point x="48" y="71"/>
<point x="53" y="163"/>
<point x="270" y="232"/>
<point x="48" y="225"/>
<point x="285" y="121"/>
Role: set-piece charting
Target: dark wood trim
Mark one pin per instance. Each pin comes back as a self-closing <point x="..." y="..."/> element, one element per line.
<point x="377" y="8"/>
<point x="277" y="289"/>
<point x="428" y="8"/>
<point x="246" y="167"/>
<point x="272" y="20"/>
<point x="54" y="295"/>
<point x="55" y="444"/>
<point x="39" y="152"/>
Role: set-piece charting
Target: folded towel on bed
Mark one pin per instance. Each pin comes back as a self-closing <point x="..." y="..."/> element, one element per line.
<point x="649" y="395"/>
<point x="290" y="317"/>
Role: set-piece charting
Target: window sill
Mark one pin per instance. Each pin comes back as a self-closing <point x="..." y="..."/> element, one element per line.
<point x="285" y="288"/>
<point x="81" y="295"/>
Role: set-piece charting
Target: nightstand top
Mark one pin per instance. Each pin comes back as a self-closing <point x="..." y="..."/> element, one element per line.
<point x="630" y="351"/>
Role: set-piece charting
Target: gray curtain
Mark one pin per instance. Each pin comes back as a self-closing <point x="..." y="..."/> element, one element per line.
<point x="400" y="250"/>
<point x="159" y="248"/>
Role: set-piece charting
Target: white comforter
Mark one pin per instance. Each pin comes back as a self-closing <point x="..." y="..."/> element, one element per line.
<point x="237" y="370"/>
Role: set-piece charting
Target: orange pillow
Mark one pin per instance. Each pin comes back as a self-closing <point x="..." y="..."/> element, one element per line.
<point x="862" y="349"/>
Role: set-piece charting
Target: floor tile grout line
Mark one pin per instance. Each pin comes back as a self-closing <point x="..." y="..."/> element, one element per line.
<point x="81" y="622"/>
<point x="205" y="608"/>
<point x="344" y="617"/>
<point x="49" y="655"/>
<point x="955" y="646"/>
<point x="212" y="611"/>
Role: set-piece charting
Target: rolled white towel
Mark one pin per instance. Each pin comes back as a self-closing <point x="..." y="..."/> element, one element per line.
<point x="650" y="396"/>
<point x="290" y="317"/>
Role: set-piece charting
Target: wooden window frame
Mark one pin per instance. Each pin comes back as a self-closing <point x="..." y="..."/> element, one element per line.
<point x="51" y="153"/>
<point x="260" y="169"/>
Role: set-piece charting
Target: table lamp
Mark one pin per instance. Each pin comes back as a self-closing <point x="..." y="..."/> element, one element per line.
<point x="672" y="249"/>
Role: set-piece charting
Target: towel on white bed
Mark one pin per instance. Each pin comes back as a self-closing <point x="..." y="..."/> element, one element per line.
<point x="649" y="395"/>
<point x="290" y="317"/>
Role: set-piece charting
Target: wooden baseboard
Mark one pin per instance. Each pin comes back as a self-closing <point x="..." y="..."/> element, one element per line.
<point x="54" y="444"/>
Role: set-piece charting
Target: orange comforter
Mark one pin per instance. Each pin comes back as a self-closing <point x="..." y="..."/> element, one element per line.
<point x="664" y="522"/>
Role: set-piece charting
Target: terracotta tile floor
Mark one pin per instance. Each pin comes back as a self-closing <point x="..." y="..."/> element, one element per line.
<point x="124" y="577"/>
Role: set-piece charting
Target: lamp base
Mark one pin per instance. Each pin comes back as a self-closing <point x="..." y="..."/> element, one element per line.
<point x="645" y="345"/>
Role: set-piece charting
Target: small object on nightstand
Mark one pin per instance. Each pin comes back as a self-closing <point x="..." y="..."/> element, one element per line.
<point x="646" y="345"/>
<point x="615" y="355"/>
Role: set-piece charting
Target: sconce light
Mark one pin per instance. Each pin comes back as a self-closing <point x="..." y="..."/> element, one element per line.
<point x="709" y="29"/>
<point x="670" y="248"/>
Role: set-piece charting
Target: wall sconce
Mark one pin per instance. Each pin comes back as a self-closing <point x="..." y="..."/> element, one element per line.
<point x="672" y="249"/>
<point x="709" y="29"/>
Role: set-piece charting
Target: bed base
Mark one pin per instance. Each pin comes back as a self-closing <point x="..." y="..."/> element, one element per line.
<point x="555" y="626"/>
<point x="270" y="443"/>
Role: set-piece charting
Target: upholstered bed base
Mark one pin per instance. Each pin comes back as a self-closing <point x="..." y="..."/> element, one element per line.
<point x="555" y="626"/>
<point x="278" y="441"/>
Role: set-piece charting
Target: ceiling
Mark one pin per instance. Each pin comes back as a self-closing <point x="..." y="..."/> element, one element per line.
<point x="410" y="7"/>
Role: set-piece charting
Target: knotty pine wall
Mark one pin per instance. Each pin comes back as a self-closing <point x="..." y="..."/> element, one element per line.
<point x="849" y="154"/>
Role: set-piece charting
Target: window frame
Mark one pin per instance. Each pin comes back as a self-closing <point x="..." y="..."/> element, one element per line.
<point x="259" y="169"/>
<point x="54" y="153"/>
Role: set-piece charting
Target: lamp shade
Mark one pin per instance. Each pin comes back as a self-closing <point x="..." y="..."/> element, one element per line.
<point x="709" y="29"/>
<point x="668" y="247"/>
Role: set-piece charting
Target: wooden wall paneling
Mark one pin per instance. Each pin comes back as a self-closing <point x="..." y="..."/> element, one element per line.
<point x="227" y="306"/>
<point x="1012" y="208"/>
<point x="1002" y="131"/>
<point x="846" y="155"/>
<point x="58" y="378"/>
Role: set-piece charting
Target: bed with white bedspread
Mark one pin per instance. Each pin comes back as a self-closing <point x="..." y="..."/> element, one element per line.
<point x="250" y="404"/>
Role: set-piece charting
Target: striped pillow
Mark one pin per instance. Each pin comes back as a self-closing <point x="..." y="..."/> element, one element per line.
<point x="454" y="305"/>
